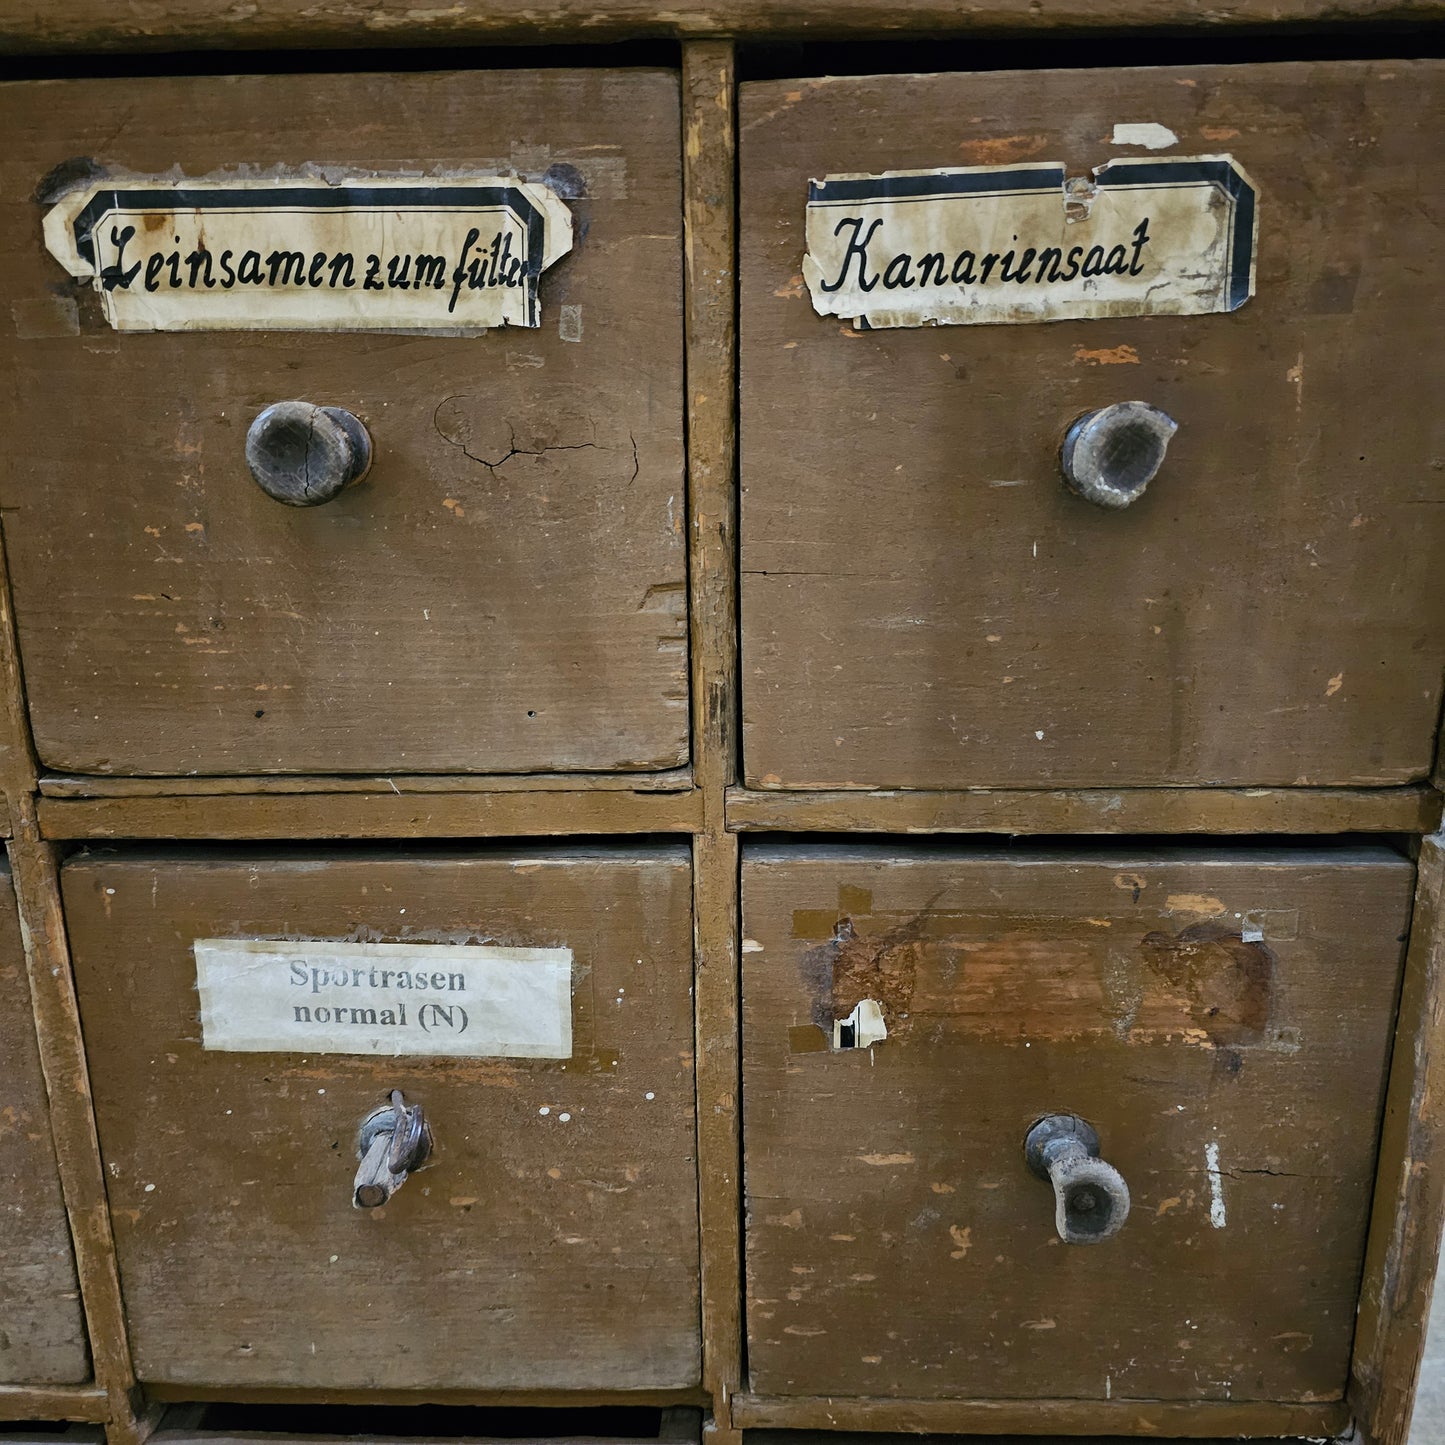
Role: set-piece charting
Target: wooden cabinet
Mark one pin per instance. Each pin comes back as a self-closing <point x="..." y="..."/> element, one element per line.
<point x="1222" y="1018"/>
<point x="42" y="1334"/>
<point x="551" y="1244"/>
<point x="504" y="592"/>
<point x="925" y="605"/>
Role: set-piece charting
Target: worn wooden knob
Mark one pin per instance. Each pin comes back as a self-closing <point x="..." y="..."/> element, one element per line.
<point x="304" y="455"/>
<point x="1111" y="455"/>
<point x="1091" y="1200"/>
<point x="391" y="1143"/>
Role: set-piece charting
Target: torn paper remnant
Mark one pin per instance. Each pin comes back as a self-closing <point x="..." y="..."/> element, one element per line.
<point x="369" y="254"/>
<point x="863" y="1028"/>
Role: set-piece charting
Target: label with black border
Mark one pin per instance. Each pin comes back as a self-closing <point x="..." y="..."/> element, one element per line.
<point x="458" y="254"/>
<point x="1007" y="244"/>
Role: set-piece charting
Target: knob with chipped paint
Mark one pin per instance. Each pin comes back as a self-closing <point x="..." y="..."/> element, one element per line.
<point x="392" y="1142"/>
<point x="1111" y="455"/>
<point x="304" y="455"/>
<point x="1091" y="1199"/>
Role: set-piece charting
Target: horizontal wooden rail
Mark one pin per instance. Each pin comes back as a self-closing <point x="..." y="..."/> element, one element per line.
<point x="1180" y="1419"/>
<point x="86" y="1403"/>
<point x="371" y="815"/>
<point x="1097" y="810"/>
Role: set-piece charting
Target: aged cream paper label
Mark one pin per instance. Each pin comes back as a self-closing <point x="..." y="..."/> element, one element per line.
<point x="460" y="1000"/>
<point x="304" y="255"/>
<point x="1143" y="237"/>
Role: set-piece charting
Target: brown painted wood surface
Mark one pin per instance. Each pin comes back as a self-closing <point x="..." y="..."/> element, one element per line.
<point x="536" y="1252"/>
<point x="1056" y="1420"/>
<point x="371" y="815"/>
<point x="1405" y="1230"/>
<point x="1115" y="810"/>
<point x="31" y="25"/>
<point x="42" y="1331"/>
<point x="506" y="591"/>
<point x="709" y="150"/>
<point x="898" y="1245"/>
<point x="923" y="603"/>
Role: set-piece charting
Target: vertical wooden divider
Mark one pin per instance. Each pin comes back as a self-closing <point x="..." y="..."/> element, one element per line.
<point x="34" y="864"/>
<point x="1409" y="1209"/>
<point x="710" y="211"/>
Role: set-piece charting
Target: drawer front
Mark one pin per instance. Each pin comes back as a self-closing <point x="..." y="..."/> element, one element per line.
<point x="552" y="1241"/>
<point x="1223" y="1023"/>
<point x="926" y="605"/>
<point x="42" y="1332"/>
<point x="503" y="592"/>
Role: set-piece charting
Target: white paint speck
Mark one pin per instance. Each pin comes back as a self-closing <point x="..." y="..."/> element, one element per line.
<point x="565" y="1118"/>
<point x="1108" y="1388"/>
<point x="1148" y="133"/>
<point x="1039" y="734"/>
<point x="150" y="1189"/>
<point x="321" y="1091"/>
<point x="1216" y="1186"/>
<point x="751" y="945"/>
<point x="334" y="1258"/>
<point x="110" y="892"/>
<point x="545" y="1109"/>
<point x="649" y="1095"/>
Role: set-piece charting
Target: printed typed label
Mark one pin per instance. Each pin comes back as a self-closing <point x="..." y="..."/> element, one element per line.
<point x="363" y="255"/>
<point x="461" y="1000"/>
<point x="1144" y="237"/>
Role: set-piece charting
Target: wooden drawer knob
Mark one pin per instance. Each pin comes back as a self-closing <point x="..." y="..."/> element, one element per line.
<point x="1091" y="1200"/>
<point x="304" y="455"/>
<point x="392" y="1142"/>
<point x="1111" y="455"/>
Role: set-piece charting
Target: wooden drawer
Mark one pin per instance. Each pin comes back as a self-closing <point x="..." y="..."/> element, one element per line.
<point x="925" y="605"/>
<point x="551" y="1243"/>
<point x="42" y="1332"/>
<point x="1222" y="1019"/>
<point x="503" y="592"/>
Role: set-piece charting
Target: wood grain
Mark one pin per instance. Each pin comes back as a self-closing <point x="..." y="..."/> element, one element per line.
<point x="924" y="605"/>
<point x="539" y="1251"/>
<point x="505" y="592"/>
<point x="371" y="815"/>
<point x="54" y="1402"/>
<point x="1406" y="1227"/>
<point x="676" y="780"/>
<point x="1222" y="1017"/>
<point x="709" y="208"/>
<point x="28" y="26"/>
<point x="1113" y="810"/>
<point x="42" y="1330"/>
<point x="1065" y="1419"/>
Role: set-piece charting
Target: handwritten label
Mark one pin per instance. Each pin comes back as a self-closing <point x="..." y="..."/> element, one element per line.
<point x="1143" y="237"/>
<point x="459" y="1000"/>
<point x="362" y="255"/>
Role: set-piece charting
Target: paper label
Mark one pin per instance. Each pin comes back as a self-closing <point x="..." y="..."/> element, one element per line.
<point x="304" y="255"/>
<point x="1144" y="237"/>
<point x="460" y="1000"/>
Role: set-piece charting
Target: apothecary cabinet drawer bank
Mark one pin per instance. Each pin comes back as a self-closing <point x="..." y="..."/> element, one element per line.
<point x="704" y="735"/>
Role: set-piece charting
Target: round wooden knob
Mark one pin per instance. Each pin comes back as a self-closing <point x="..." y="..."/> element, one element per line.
<point x="1091" y="1200"/>
<point x="1110" y="455"/>
<point x="304" y="455"/>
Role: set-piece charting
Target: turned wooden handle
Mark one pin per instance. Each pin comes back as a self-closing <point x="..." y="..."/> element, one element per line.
<point x="1091" y="1199"/>
<point x="391" y="1142"/>
<point x="1111" y="455"/>
<point x="304" y="455"/>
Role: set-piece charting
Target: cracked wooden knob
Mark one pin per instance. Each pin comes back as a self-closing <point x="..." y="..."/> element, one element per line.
<point x="1111" y="455"/>
<point x="392" y="1141"/>
<point x="305" y="455"/>
<point x="1091" y="1200"/>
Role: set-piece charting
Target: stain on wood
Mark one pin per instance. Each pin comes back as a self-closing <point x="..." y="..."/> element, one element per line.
<point x="925" y="605"/>
<point x="898" y="1247"/>
<point x="451" y="612"/>
<point x="552" y="1241"/>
